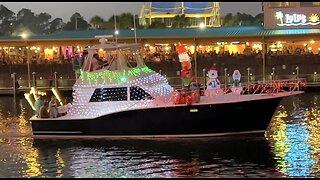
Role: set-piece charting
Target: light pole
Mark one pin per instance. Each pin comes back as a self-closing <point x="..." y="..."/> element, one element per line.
<point x="11" y="24"/>
<point x="24" y="36"/>
<point x="273" y="73"/>
<point x="116" y="32"/>
<point x="248" y="75"/>
<point x="297" y="68"/>
<point x="76" y="22"/>
<point x="225" y="78"/>
<point x="28" y="62"/>
<point x="204" y="78"/>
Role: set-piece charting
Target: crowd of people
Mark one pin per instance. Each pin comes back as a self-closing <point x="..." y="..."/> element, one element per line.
<point x="158" y="56"/>
<point x="50" y="109"/>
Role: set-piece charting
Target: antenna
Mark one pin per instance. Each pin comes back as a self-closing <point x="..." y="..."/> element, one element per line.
<point x="115" y="28"/>
<point x="135" y="28"/>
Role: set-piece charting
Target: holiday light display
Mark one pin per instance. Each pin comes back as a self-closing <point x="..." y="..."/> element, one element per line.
<point x="104" y="91"/>
<point x="186" y="70"/>
<point x="185" y="96"/>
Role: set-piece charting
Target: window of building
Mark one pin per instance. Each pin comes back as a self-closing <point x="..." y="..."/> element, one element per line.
<point x="308" y="4"/>
<point x="281" y="4"/>
<point x="136" y="93"/>
<point x="109" y="94"/>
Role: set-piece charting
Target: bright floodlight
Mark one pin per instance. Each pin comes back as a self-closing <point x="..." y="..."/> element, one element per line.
<point x="116" y="32"/>
<point x="24" y="35"/>
<point x="132" y="29"/>
<point x="202" y="25"/>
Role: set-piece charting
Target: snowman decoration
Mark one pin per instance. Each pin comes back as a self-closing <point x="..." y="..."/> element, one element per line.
<point x="236" y="76"/>
<point x="213" y="83"/>
<point x="236" y="86"/>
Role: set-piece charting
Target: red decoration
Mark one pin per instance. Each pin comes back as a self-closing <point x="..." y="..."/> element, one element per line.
<point x="176" y="99"/>
<point x="213" y="67"/>
<point x="195" y="97"/>
<point x="181" y="49"/>
<point x="188" y="100"/>
<point x="185" y="65"/>
<point x="186" y="74"/>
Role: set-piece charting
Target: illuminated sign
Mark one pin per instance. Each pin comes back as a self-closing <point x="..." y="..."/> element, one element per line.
<point x="297" y="19"/>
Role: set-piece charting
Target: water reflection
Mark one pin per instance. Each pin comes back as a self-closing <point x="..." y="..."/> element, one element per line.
<point x="208" y="157"/>
<point x="294" y="136"/>
<point x="291" y="149"/>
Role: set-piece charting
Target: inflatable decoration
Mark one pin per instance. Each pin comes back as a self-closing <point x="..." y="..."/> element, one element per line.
<point x="236" y="86"/>
<point x="189" y="93"/>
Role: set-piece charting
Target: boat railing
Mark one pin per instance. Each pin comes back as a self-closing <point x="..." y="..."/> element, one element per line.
<point x="274" y="86"/>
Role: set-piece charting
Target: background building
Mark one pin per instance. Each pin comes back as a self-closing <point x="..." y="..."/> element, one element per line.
<point x="291" y="15"/>
<point x="197" y="13"/>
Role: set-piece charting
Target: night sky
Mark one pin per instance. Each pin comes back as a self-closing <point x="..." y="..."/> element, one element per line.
<point x="105" y="10"/>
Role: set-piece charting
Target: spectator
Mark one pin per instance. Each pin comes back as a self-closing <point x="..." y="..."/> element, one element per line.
<point x="38" y="105"/>
<point x="44" y="110"/>
<point x="53" y="107"/>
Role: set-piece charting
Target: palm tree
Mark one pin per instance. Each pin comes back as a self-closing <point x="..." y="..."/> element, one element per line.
<point x="279" y="15"/>
<point x="97" y="22"/>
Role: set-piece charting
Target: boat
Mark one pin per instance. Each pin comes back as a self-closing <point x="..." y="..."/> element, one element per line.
<point x="132" y="100"/>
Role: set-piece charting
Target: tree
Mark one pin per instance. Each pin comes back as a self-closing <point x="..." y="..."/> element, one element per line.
<point x="56" y="25"/>
<point x="240" y="19"/>
<point x="227" y="20"/>
<point x="6" y="14"/>
<point x="76" y="23"/>
<point x="43" y="24"/>
<point x="97" y="22"/>
<point x="259" y="19"/>
<point x="7" y="18"/>
<point x="124" y="21"/>
<point x="180" y="21"/>
<point x="157" y="25"/>
<point x="26" y="18"/>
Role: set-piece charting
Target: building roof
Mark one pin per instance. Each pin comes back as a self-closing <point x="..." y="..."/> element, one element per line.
<point x="176" y="7"/>
<point x="239" y="31"/>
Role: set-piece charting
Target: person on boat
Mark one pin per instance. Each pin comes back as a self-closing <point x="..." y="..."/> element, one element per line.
<point x="53" y="107"/>
<point x="65" y="108"/>
<point x="76" y="65"/>
<point x="81" y="59"/>
<point x="38" y="104"/>
<point x="96" y="63"/>
<point x="44" y="110"/>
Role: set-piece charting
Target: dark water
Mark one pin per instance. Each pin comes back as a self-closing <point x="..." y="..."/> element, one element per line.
<point x="290" y="148"/>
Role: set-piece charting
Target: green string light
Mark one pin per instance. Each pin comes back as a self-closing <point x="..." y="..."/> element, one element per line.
<point x="113" y="76"/>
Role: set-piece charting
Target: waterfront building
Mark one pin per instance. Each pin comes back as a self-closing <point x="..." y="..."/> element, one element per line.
<point x="282" y="44"/>
<point x="197" y="13"/>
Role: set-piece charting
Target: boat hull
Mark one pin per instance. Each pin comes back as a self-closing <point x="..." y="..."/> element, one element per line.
<point x="178" y="120"/>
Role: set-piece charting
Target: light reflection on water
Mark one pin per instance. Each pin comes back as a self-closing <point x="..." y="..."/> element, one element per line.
<point x="294" y="136"/>
<point x="291" y="149"/>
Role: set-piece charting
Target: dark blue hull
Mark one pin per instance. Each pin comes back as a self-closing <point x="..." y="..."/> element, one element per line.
<point x="180" y="120"/>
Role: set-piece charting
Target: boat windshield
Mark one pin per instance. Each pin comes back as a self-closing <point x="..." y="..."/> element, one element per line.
<point x="113" y="57"/>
